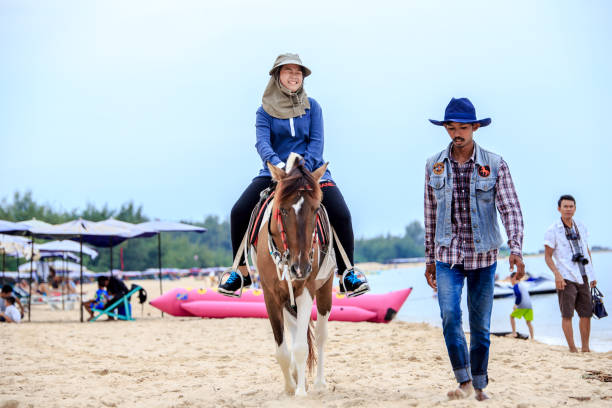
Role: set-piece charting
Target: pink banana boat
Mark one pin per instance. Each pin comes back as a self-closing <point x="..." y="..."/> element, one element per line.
<point x="214" y="309"/>
<point x="384" y="306"/>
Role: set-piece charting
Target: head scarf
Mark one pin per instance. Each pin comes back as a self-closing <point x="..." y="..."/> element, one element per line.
<point x="277" y="100"/>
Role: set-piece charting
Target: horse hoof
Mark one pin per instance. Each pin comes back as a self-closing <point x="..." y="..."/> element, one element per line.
<point x="320" y="386"/>
<point x="300" y="392"/>
<point x="289" y="390"/>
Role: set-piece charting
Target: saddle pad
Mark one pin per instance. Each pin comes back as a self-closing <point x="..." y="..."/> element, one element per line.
<point x="257" y="217"/>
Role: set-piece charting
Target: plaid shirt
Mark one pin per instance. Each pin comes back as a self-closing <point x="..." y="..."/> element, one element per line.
<point x="461" y="249"/>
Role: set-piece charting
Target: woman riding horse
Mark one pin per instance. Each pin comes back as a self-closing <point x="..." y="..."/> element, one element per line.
<point x="289" y="121"/>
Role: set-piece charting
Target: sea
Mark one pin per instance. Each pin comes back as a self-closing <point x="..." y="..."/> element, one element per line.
<point x="422" y="305"/>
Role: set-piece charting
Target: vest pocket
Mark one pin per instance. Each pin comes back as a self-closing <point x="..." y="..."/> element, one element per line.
<point x="485" y="191"/>
<point x="437" y="184"/>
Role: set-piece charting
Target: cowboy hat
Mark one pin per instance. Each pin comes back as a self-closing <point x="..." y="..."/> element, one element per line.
<point x="460" y="110"/>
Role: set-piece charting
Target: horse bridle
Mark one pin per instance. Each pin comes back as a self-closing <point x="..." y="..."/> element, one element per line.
<point x="283" y="259"/>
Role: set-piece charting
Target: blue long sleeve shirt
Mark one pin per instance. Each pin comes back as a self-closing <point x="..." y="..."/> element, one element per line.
<point x="277" y="138"/>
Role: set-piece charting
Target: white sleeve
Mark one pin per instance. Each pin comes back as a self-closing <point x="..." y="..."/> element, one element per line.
<point x="549" y="237"/>
<point x="14" y="314"/>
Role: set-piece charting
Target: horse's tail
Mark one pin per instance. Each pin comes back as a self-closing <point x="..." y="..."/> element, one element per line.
<point x="311" y="361"/>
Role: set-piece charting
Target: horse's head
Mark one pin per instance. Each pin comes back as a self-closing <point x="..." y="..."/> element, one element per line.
<point x="297" y="201"/>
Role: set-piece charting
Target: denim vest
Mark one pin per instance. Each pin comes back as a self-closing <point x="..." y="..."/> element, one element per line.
<point x="483" y="213"/>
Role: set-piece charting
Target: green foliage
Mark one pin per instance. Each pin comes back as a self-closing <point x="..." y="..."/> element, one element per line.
<point x="383" y="248"/>
<point x="187" y="250"/>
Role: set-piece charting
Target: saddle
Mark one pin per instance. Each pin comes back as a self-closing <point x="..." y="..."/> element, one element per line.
<point x="258" y="215"/>
<point x="261" y="213"/>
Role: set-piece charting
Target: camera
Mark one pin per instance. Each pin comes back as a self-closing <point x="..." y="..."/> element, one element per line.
<point x="580" y="258"/>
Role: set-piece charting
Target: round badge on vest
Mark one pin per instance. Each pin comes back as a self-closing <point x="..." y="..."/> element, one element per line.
<point x="484" y="171"/>
<point x="438" y="168"/>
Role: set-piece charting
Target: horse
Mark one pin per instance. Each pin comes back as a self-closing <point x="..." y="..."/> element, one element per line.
<point x="289" y="295"/>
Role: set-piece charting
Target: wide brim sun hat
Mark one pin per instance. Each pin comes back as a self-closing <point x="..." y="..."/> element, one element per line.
<point x="289" y="58"/>
<point x="460" y="110"/>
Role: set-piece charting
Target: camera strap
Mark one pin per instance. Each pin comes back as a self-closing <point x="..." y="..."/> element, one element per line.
<point x="573" y="237"/>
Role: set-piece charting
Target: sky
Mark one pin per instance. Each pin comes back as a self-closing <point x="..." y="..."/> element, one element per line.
<point x="154" y="102"/>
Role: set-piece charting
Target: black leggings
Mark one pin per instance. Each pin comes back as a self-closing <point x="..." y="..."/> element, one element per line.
<point x="339" y="217"/>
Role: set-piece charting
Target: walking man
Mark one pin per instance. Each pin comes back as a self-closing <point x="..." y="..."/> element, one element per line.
<point x="465" y="186"/>
<point x="565" y="252"/>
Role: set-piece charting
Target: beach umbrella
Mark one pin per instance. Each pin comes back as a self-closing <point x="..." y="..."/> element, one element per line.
<point x="80" y="230"/>
<point x="59" y="266"/>
<point x="35" y="227"/>
<point x="65" y="246"/>
<point x="167" y="226"/>
<point x="95" y="234"/>
<point x="65" y="249"/>
<point x="12" y="228"/>
<point x="133" y="230"/>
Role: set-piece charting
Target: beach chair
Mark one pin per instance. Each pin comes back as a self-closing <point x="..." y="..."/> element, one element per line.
<point x="122" y="309"/>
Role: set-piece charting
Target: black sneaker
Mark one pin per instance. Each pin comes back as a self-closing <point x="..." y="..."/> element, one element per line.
<point x="351" y="285"/>
<point x="232" y="284"/>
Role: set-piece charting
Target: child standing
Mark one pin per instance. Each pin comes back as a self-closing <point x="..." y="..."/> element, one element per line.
<point x="522" y="305"/>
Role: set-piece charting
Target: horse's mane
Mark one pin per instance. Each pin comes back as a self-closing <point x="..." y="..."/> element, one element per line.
<point x="298" y="179"/>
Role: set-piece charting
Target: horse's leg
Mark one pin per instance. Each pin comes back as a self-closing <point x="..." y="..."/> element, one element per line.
<point x="323" y="308"/>
<point x="291" y="324"/>
<point x="283" y="356"/>
<point x="300" y="342"/>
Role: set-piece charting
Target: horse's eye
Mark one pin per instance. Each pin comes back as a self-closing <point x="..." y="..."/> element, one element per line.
<point x="283" y="211"/>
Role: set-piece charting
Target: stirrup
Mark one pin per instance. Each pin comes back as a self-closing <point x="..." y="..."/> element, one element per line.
<point x="236" y="294"/>
<point x="359" y="273"/>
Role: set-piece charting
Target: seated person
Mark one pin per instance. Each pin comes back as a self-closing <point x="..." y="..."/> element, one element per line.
<point x="10" y="314"/>
<point x="100" y="300"/>
<point x="7" y="291"/>
<point x="116" y="290"/>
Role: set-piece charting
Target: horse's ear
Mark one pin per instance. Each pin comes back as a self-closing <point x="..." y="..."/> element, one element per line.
<point x="318" y="173"/>
<point x="277" y="173"/>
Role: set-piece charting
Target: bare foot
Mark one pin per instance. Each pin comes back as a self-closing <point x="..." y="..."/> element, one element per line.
<point x="573" y="350"/>
<point x="481" y="395"/>
<point x="463" y="391"/>
<point x="586" y="350"/>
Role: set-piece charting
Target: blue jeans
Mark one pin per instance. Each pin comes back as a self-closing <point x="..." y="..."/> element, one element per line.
<point x="480" y="284"/>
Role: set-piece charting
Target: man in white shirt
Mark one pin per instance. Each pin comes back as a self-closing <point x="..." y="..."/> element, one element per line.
<point x="11" y="313"/>
<point x="568" y="256"/>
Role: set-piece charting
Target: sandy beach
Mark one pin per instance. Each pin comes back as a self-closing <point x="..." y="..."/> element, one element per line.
<point x="55" y="361"/>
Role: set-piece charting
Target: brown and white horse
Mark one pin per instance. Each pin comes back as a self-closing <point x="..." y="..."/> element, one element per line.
<point x="294" y="267"/>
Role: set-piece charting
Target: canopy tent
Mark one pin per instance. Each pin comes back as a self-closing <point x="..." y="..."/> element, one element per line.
<point x="81" y="230"/>
<point x="132" y="229"/>
<point x="13" y="245"/>
<point x="59" y="265"/>
<point x="59" y="254"/>
<point x="107" y="233"/>
<point x="167" y="226"/>
<point x="8" y="227"/>
<point x="65" y="246"/>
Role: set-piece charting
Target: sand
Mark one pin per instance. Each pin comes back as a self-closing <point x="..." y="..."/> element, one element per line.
<point x="55" y="361"/>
